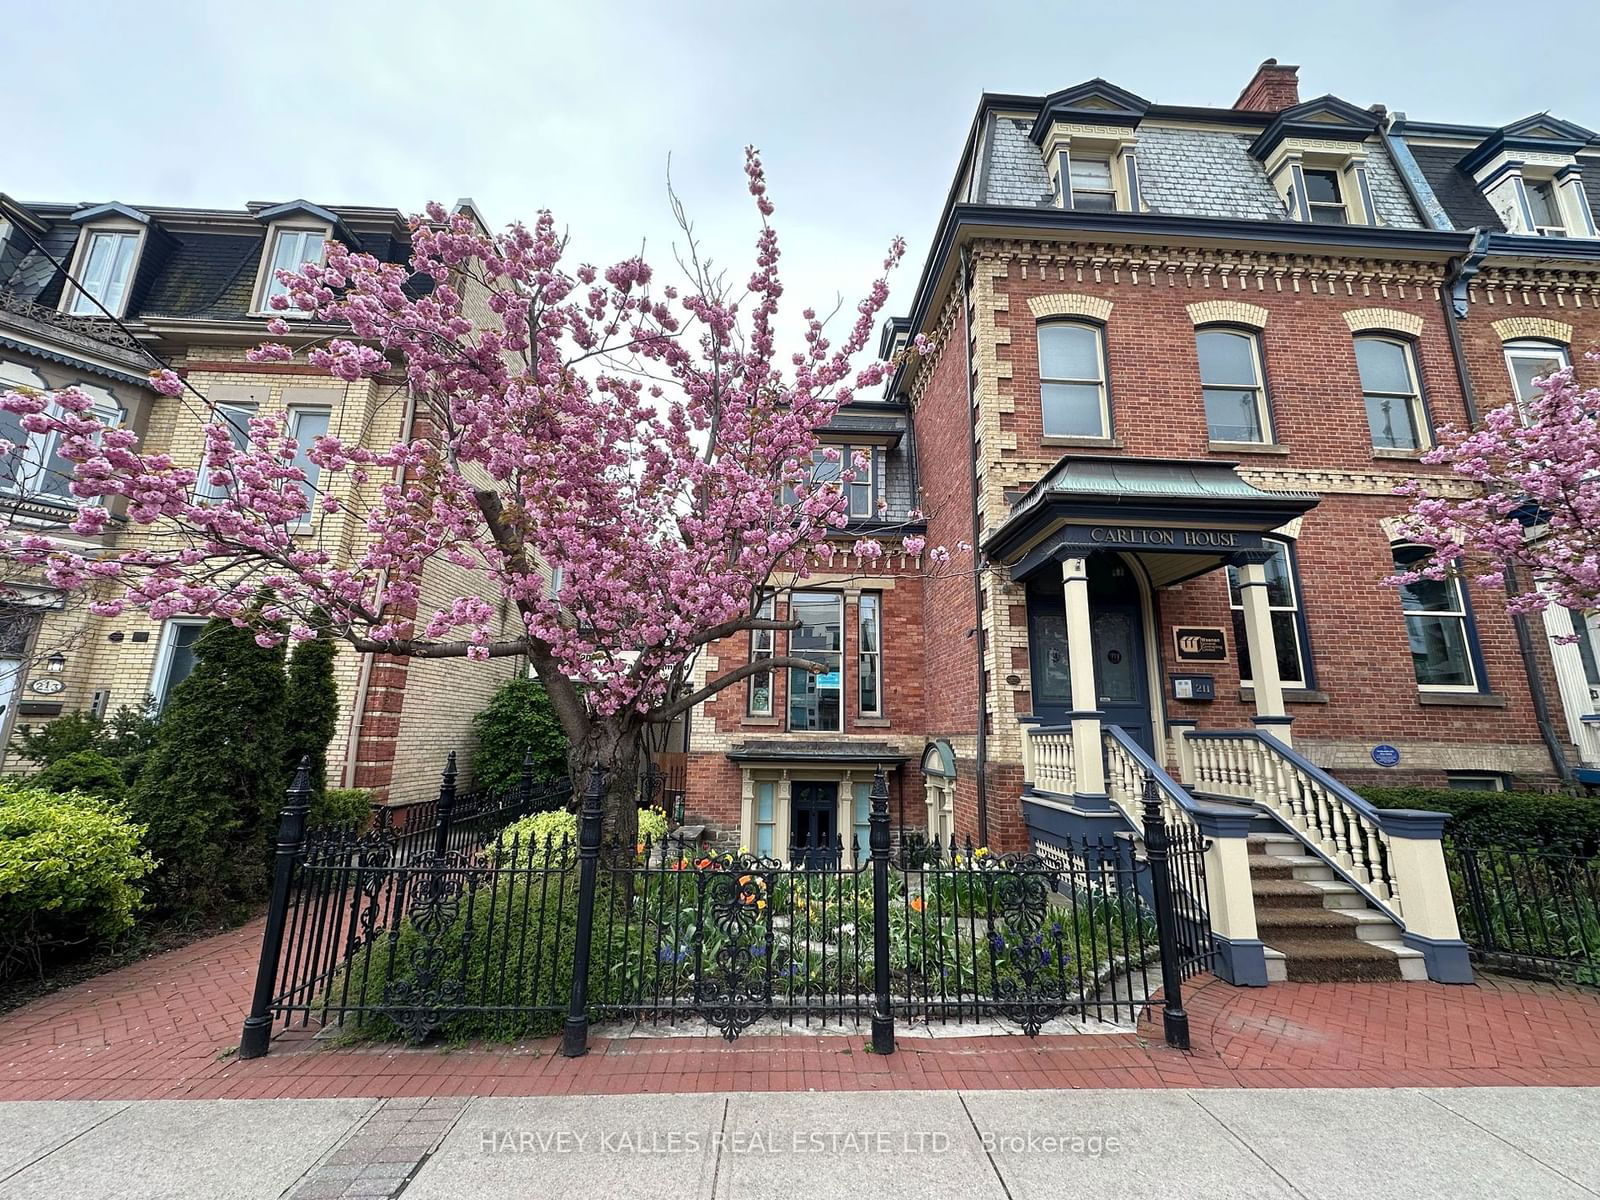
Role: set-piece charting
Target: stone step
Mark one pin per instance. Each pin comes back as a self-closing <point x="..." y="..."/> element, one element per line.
<point x="1305" y="924"/>
<point x="1285" y="893"/>
<point x="1349" y="960"/>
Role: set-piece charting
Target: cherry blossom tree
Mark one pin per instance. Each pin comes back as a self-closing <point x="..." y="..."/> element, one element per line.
<point x="648" y="440"/>
<point x="1532" y="523"/>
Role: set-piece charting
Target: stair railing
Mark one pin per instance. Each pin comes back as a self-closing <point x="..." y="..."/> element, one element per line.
<point x="1334" y="822"/>
<point x="1053" y="770"/>
<point x="1127" y="765"/>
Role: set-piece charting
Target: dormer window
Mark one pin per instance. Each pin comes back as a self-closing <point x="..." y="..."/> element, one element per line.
<point x="289" y="250"/>
<point x="1544" y="208"/>
<point x="1325" y="198"/>
<point x="1092" y="186"/>
<point x="105" y="269"/>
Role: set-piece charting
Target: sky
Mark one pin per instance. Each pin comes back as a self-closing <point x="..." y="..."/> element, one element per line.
<point x="859" y="109"/>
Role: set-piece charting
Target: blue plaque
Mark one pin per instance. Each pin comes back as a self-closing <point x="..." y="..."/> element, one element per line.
<point x="1385" y="756"/>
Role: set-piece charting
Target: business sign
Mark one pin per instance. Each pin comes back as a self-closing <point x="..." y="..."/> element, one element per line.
<point x="1386" y="756"/>
<point x="1182" y="539"/>
<point x="1200" y="644"/>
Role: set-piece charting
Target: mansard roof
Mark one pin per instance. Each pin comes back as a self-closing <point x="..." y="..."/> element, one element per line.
<point x="1326" y="117"/>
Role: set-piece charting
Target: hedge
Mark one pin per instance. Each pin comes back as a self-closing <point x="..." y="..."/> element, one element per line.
<point x="71" y="872"/>
<point x="1568" y="823"/>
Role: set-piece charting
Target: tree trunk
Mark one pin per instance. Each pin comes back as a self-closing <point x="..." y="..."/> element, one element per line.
<point x="614" y="744"/>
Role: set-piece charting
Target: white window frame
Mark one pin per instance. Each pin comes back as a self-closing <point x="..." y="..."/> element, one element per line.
<point x="1263" y="417"/>
<point x="864" y="655"/>
<point x="241" y="411"/>
<point x="1529" y="348"/>
<point x="1461" y="613"/>
<point x="1109" y="190"/>
<point x="857" y="487"/>
<point x="71" y="294"/>
<point x="1302" y="651"/>
<point x="1342" y="206"/>
<point x="1495" y="779"/>
<point x="39" y="448"/>
<point x="1553" y="190"/>
<point x="296" y="413"/>
<point x="266" y="284"/>
<point x="1099" y="383"/>
<point x="762" y="644"/>
<point x="165" y="650"/>
<point x="1413" y="398"/>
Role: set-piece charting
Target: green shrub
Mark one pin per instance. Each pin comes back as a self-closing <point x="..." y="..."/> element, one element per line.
<point x="70" y="872"/>
<point x="339" y="807"/>
<point x="518" y="718"/>
<point x="125" y="738"/>
<point x="312" y="709"/>
<point x="213" y="785"/>
<point x="128" y="737"/>
<point x="70" y="733"/>
<point x="1570" y="823"/>
<point x="86" y="771"/>
<point x="652" y="825"/>
<point x="542" y="834"/>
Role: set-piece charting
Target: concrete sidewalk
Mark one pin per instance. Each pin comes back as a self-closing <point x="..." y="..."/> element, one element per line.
<point x="1368" y="1143"/>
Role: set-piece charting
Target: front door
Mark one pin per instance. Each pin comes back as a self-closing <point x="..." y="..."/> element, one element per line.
<point x="813" y="823"/>
<point x="1116" y="631"/>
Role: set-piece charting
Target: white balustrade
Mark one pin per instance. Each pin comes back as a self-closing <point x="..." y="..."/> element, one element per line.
<point x="1053" y="769"/>
<point x="1328" y="816"/>
<point x="1125" y="783"/>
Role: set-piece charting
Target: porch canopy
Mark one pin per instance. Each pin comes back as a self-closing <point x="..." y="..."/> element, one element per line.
<point x="1178" y="518"/>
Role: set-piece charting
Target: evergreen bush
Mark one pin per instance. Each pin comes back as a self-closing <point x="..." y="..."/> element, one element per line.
<point x="87" y="771"/>
<point x="518" y="718"/>
<point x="313" y="708"/>
<point x="340" y="807"/>
<point x="212" y="787"/>
<point x="1534" y="819"/>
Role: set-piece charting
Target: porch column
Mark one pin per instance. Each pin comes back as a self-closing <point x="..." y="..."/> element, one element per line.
<point x="1270" y="714"/>
<point x="782" y="826"/>
<point x="1087" y="756"/>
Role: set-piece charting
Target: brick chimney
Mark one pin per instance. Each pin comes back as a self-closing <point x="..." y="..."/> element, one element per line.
<point x="1273" y="88"/>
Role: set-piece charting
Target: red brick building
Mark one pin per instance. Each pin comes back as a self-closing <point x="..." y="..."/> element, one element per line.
<point x="1185" y="356"/>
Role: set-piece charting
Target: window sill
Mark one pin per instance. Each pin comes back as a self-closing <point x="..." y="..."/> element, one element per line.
<point x="1391" y="452"/>
<point x="1246" y="448"/>
<point x="1463" y="699"/>
<point x="872" y="722"/>
<point x="1057" y="439"/>
<point x="763" y="722"/>
<point x="1290" y="695"/>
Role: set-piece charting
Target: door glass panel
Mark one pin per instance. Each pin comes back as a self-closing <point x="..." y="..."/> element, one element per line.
<point x="1115" y="661"/>
<point x="1052" y="678"/>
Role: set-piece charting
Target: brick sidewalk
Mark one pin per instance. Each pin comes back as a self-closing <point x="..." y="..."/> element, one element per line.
<point x="165" y="1028"/>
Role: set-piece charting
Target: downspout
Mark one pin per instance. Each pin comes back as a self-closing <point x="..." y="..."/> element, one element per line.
<point x="981" y="755"/>
<point x="1454" y="298"/>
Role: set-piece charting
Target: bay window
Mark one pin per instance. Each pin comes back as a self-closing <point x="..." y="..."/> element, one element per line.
<point x="815" y="698"/>
<point x="861" y="492"/>
<point x="759" y="701"/>
<point x="869" y="656"/>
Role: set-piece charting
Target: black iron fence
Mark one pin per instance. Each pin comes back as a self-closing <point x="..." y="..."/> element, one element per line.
<point x="389" y="932"/>
<point x="1528" y="910"/>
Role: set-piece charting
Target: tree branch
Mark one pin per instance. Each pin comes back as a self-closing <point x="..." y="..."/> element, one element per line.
<point x="411" y="648"/>
<point x="678" y="707"/>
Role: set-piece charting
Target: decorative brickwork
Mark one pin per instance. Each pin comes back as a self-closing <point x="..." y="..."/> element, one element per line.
<point x="1383" y="320"/>
<point x="1064" y="304"/>
<point x="1228" y="312"/>
<point x="1509" y="329"/>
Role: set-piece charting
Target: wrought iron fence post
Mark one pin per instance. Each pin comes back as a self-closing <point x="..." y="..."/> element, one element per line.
<point x="447" y="803"/>
<point x="878" y="841"/>
<point x="575" y="1034"/>
<point x="291" y="844"/>
<point x="525" y="784"/>
<point x="1174" y="1020"/>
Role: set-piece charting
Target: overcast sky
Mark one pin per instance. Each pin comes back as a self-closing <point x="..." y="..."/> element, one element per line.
<point x="860" y="109"/>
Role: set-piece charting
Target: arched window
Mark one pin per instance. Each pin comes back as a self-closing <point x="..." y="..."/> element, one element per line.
<point x="1231" y="380"/>
<point x="1529" y="360"/>
<point x="1072" y="380"/>
<point x="1393" y="396"/>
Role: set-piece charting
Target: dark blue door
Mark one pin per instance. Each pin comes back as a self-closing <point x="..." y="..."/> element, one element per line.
<point x="813" y="823"/>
